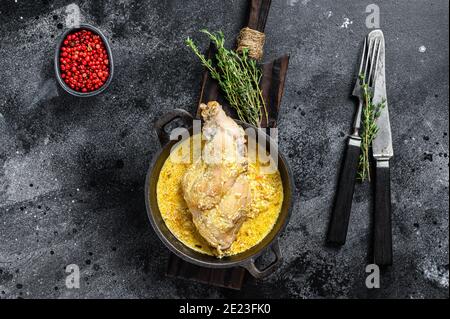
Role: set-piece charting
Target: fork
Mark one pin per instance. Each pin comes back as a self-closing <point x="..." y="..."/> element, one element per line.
<point x="337" y="231"/>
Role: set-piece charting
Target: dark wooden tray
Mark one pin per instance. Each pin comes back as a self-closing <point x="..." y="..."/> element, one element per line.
<point x="272" y="85"/>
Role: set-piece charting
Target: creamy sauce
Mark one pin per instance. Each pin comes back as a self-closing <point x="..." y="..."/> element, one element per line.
<point x="266" y="201"/>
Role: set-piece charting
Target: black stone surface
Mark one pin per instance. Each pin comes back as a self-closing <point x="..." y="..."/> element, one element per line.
<point x="72" y="170"/>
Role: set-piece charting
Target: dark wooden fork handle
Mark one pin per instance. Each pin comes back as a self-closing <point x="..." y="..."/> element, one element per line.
<point x="337" y="231"/>
<point x="382" y="247"/>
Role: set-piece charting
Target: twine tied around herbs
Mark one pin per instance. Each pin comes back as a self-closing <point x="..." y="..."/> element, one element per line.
<point x="253" y="40"/>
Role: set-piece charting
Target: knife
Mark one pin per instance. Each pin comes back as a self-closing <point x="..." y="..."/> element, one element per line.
<point x="382" y="152"/>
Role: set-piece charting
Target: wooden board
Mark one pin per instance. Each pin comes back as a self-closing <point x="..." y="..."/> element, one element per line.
<point x="272" y="86"/>
<point x="231" y="278"/>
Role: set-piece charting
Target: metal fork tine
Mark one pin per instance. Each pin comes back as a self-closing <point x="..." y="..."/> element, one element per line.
<point x="367" y="59"/>
<point x="373" y="62"/>
<point x="376" y="62"/>
<point x="363" y="57"/>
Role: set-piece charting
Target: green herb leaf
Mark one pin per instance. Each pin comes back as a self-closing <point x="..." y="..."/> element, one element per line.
<point x="370" y="114"/>
<point x="238" y="77"/>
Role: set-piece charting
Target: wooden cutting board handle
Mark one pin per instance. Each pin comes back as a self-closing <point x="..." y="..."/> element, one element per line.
<point x="258" y="12"/>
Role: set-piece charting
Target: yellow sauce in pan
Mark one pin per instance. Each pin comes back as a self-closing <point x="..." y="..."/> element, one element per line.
<point x="266" y="201"/>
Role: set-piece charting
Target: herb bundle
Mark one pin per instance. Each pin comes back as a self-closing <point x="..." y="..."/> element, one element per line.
<point x="238" y="76"/>
<point x="370" y="129"/>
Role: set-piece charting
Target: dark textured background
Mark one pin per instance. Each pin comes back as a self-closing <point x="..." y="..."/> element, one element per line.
<point x="72" y="170"/>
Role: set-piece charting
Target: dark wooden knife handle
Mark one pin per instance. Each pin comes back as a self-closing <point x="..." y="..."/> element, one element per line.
<point x="382" y="247"/>
<point x="337" y="231"/>
<point x="257" y="18"/>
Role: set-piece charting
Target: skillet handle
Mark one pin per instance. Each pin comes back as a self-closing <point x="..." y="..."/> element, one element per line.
<point x="261" y="273"/>
<point x="161" y="123"/>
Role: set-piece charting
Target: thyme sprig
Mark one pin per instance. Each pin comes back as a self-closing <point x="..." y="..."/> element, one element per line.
<point x="370" y="114"/>
<point x="238" y="77"/>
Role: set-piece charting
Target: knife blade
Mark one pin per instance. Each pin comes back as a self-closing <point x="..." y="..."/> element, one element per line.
<point x="382" y="151"/>
<point x="382" y="144"/>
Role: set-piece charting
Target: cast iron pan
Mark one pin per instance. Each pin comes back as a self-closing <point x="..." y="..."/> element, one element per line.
<point x="245" y="259"/>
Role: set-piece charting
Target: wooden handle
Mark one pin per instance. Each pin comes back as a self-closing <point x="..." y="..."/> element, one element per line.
<point x="337" y="232"/>
<point x="382" y="247"/>
<point x="259" y="10"/>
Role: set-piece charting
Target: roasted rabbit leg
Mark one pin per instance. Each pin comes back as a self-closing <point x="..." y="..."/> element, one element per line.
<point x="216" y="187"/>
